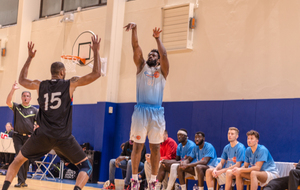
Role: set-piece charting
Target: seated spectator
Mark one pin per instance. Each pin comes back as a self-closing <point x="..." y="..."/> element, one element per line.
<point x="124" y="162"/>
<point x="202" y="157"/>
<point x="8" y="157"/>
<point x="233" y="156"/>
<point x="184" y="149"/>
<point x="259" y="165"/>
<point x="290" y="182"/>
<point x="167" y="152"/>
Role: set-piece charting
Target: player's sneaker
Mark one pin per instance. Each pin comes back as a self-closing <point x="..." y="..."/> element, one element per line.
<point x="153" y="185"/>
<point x="127" y="187"/>
<point x="135" y="185"/>
<point x="111" y="186"/>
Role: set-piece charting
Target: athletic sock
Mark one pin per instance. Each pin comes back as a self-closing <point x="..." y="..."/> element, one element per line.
<point x="77" y="188"/>
<point x="211" y="188"/>
<point x="183" y="187"/>
<point x="201" y="188"/>
<point x="153" y="178"/>
<point x="135" y="177"/>
<point x="6" y="185"/>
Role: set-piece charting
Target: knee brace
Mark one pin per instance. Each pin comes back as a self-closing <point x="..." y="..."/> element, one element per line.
<point x="86" y="167"/>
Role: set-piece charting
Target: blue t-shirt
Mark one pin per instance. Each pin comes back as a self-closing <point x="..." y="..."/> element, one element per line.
<point x="208" y="150"/>
<point x="261" y="154"/>
<point x="186" y="150"/>
<point x="231" y="155"/>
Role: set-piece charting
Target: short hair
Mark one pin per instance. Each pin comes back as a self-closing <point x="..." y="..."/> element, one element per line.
<point x="200" y="133"/>
<point x="56" y="67"/>
<point x="155" y="51"/>
<point x="166" y="132"/>
<point x="182" y="129"/>
<point x="26" y="92"/>
<point x="9" y="124"/>
<point x="235" y="129"/>
<point x="252" y="132"/>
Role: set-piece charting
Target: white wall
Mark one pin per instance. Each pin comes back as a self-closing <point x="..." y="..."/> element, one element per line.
<point x="243" y="49"/>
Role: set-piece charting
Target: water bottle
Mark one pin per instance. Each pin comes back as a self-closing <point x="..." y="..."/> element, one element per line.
<point x="221" y="188"/>
<point x="195" y="187"/>
<point x="30" y="168"/>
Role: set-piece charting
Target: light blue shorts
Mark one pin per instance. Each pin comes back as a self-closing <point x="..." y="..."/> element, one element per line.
<point x="147" y="120"/>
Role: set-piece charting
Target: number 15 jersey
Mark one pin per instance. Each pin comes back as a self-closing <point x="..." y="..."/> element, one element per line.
<point x="55" y="112"/>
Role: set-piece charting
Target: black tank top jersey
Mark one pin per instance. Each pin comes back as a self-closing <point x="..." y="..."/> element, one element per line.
<point x="55" y="112"/>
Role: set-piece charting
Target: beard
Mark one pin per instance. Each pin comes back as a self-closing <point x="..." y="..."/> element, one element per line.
<point x="151" y="63"/>
<point x="200" y="143"/>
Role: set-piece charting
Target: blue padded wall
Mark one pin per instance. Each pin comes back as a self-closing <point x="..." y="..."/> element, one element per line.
<point x="277" y="121"/>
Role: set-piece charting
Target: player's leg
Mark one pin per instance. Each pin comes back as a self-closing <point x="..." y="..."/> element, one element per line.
<point x="240" y="179"/>
<point x="278" y="184"/>
<point x="256" y="176"/>
<point x="294" y="179"/>
<point x="173" y="175"/>
<point x="163" y="169"/>
<point x="229" y="178"/>
<point x="13" y="170"/>
<point x="70" y="149"/>
<point x="201" y="169"/>
<point x="181" y="175"/>
<point x="209" y="178"/>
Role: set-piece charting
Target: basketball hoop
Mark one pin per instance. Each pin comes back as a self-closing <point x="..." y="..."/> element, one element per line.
<point x="70" y="62"/>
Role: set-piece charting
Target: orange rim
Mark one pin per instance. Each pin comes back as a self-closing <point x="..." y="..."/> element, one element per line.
<point x="73" y="57"/>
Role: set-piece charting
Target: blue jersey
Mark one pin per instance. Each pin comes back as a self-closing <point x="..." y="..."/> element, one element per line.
<point x="186" y="150"/>
<point x="261" y="154"/>
<point x="150" y="85"/>
<point x="233" y="154"/>
<point x="208" y="150"/>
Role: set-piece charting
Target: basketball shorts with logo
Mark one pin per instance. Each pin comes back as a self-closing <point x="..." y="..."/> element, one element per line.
<point x="147" y="120"/>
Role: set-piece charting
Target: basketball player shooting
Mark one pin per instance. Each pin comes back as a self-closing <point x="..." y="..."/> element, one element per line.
<point x="148" y="116"/>
<point x="55" y="117"/>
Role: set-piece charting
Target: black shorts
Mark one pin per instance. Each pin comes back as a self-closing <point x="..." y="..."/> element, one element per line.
<point x="40" y="144"/>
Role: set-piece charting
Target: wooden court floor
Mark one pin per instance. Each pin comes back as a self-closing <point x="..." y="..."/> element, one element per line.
<point x="34" y="184"/>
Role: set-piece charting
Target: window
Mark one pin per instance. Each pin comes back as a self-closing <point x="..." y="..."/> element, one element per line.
<point x="53" y="7"/>
<point x="8" y="12"/>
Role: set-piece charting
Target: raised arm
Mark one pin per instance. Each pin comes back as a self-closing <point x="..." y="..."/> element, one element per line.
<point x="164" y="62"/>
<point x="137" y="51"/>
<point x="23" y="80"/>
<point x="10" y="95"/>
<point x="96" y="72"/>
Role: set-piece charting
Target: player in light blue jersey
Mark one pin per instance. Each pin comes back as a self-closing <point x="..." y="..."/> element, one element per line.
<point x="202" y="157"/>
<point x="184" y="148"/>
<point x="148" y="116"/>
<point x="233" y="156"/>
<point x="259" y="165"/>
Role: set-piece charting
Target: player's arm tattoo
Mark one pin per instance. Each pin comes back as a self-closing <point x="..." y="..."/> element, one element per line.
<point x="74" y="79"/>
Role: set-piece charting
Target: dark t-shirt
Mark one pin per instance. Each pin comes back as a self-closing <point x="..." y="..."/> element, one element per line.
<point x="128" y="149"/>
<point x="55" y="113"/>
<point x="24" y="118"/>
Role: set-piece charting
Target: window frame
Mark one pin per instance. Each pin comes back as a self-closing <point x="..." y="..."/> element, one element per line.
<point x="62" y="8"/>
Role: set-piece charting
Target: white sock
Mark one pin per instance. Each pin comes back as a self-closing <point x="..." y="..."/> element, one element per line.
<point x="210" y="188"/>
<point x="183" y="187"/>
<point x="135" y="177"/>
<point x="153" y="178"/>
<point x="201" y="188"/>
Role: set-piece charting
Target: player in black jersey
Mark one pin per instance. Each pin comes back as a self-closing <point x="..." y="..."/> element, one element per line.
<point x="55" y="117"/>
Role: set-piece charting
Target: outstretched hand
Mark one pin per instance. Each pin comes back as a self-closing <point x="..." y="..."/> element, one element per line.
<point x="31" y="53"/>
<point x="96" y="43"/>
<point x="129" y="26"/>
<point x="156" y="32"/>
<point x="15" y="86"/>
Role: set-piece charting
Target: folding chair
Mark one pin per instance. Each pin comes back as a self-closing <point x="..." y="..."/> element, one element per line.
<point x="45" y="165"/>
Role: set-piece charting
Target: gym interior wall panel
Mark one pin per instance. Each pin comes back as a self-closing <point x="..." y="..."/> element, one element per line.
<point x="274" y="121"/>
<point x="239" y="114"/>
<point x="6" y="115"/>
<point x="207" y="117"/>
<point x="293" y="140"/>
<point x="178" y="115"/>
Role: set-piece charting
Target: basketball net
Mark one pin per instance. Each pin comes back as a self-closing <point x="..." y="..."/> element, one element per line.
<point x="70" y="62"/>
